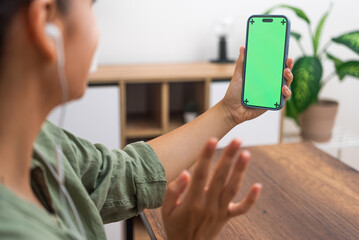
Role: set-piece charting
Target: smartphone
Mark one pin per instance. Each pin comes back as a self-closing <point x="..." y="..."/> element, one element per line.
<point x="265" y="58"/>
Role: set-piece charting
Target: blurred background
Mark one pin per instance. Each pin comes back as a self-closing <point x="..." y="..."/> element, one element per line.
<point x="163" y="31"/>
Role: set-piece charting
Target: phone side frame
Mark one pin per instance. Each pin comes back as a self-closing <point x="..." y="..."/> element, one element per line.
<point x="285" y="57"/>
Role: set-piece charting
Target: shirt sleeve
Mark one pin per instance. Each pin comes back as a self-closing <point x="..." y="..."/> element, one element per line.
<point x="121" y="183"/>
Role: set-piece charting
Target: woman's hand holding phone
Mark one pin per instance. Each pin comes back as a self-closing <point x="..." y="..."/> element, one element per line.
<point x="232" y="99"/>
<point x="194" y="210"/>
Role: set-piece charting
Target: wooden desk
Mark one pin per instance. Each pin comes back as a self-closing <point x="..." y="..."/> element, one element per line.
<point x="306" y="195"/>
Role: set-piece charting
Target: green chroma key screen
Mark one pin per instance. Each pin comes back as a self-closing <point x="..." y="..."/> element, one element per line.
<point x="264" y="61"/>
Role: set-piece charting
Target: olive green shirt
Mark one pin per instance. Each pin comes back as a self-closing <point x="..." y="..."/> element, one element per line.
<point x="106" y="186"/>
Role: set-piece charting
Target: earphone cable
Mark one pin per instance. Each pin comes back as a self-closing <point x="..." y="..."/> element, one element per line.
<point x="59" y="174"/>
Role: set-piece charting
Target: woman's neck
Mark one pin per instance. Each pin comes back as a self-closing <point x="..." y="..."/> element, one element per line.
<point x="22" y="113"/>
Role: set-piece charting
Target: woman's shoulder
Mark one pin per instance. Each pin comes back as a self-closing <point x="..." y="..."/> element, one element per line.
<point x="20" y="219"/>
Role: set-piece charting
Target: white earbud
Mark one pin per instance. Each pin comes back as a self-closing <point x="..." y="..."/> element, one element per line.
<point x="53" y="31"/>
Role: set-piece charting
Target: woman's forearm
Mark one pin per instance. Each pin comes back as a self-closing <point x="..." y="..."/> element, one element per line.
<point x="180" y="148"/>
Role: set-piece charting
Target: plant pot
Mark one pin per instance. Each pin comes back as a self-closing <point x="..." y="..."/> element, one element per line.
<point x="318" y="120"/>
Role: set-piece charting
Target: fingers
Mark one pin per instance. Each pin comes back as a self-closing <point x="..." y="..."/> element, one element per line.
<point x="235" y="180"/>
<point x="286" y="92"/>
<point x="289" y="79"/>
<point x="290" y="63"/>
<point x="244" y="206"/>
<point x="288" y="76"/>
<point x="201" y="173"/>
<point x="174" y="191"/>
<point x="221" y="172"/>
<point x="238" y="72"/>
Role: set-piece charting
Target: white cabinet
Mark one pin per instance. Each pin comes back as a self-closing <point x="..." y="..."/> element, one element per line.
<point x="263" y="130"/>
<point x="96" y="117"/>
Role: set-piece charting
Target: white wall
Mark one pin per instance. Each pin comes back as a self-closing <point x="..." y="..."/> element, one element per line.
<point x="148" y="31"/>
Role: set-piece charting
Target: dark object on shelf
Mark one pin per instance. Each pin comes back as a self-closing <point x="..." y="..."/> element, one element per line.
<point x="191" y="107"/>
<point x="190" y="112"/>
<point x="222" y="52"/>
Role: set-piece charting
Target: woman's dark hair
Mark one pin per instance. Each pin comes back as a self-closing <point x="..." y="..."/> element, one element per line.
<point x="9" y="8"/>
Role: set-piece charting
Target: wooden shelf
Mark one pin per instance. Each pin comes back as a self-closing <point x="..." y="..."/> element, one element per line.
<point x="143" y="111"/>
<point x="153" y="109"/>
<point x="153" y="96"/>
<point x="181" y="94"/>
<point x="142" y="126"/>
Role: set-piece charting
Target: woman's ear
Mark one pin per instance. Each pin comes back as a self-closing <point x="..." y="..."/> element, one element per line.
<point x="40" y="13"/>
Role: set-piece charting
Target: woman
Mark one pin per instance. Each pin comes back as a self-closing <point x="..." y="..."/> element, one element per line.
<point x="93" y="185"/>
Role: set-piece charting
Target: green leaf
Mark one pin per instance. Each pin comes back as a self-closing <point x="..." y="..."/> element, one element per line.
<point x="307" y="73"/>
<point x="337" y="62"/>
<point x="296" y="35"/>
<point x="318" y="32"/>
<point x="345" y="68"/>
<point x="351" y="40"/>
<point x="297" y="11"/>
<point x="348" y="68"/>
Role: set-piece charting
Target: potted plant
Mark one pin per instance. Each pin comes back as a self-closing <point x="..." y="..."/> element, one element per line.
<point x="316" y="116"/>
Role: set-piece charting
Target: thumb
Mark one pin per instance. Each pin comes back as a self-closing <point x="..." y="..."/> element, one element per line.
<point x="174" y="191"/>
<point x="239" y="65"/>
